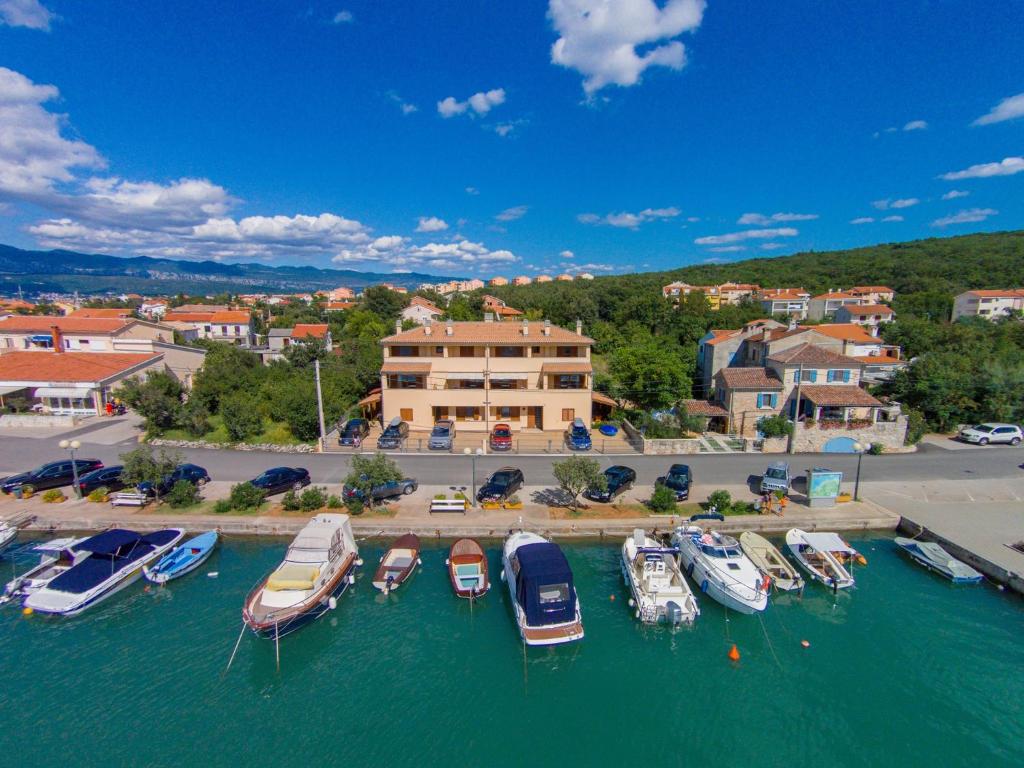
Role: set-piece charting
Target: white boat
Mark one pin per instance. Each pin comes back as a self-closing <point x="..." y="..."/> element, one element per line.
<point x="823" y="556"/>
<point x="771" y="562"/>
<point x="56" y="556"/>
<point x="660" y="592"/>
<point x="717" y="564"/>
<point x="935" y="558"/>
<point x="544" y="597"/>
<point x="7" y="533"/>
<point x="317" y="568"/>
<point x="114" y="559"/>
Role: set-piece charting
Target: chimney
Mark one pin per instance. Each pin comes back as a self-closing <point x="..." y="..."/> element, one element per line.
<point x="427" y="329"/>
<point x="58" y="339"/>
<point x="579" y="327"/>
<point x="547" y="327"/>
<point x="398" y="325"/>
<point x="488" y="317"/>
<point x="449" y="328"/>
<point x="526" y="327"/>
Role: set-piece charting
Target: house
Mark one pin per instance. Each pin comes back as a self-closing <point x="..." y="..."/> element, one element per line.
<point x="231" y="326"/>
<point x="734" y="293"/>
<point x="280" y="339"/>
<point x="421" y="310"/>
<point x="564" y="277"/>
<point x="338" y="306"/>
<point x="500" y="309"/>
<point x="394" y="288"/>
<point x="870" y="316"/>
<point x="720" y="349"/>
<point x="543" y="279"/>
<point x="770" y="341"/>
<point x="533" y="376"/>
<point x="584" y="276"/>
<point x="101" y="312"/>
<point x="874" y="294"/>
<point x="784" y="301"/>
<point x="678" y="290"/>
<point x="498" y="281"/>
<point x="201" y="308"/>
<point x="521" y="280"/>
<point x="990" y="304"/>
<point x="341" y="294"/>
<point x="827" y="304"/>
<point x="76" y="334"/>
<point x="154" y="310"/>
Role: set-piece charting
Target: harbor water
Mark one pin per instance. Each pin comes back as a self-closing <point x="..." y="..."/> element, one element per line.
<point x="904" y="670"/>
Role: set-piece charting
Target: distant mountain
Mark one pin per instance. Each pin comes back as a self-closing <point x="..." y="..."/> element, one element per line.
<point x="62" y="271"/>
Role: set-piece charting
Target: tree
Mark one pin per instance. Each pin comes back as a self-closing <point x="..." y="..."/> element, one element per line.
<point x="362" y="324"/>
<point x="143" y="465"/>
<point x="302" y="355"/>
<point x="383" y="302"/>
<point x="157" y="398"/>
<point x="577" y="474"/>
<point x="241" y="420"/>
<point x="648" y="375"/>
<point x="775" y="426"/>
<point x="194" y="418"/>
<point x="368" y="472"/>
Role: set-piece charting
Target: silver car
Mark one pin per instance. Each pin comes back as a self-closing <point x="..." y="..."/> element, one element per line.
<point x="442" y="435"/>
<point x="983" y="434"/>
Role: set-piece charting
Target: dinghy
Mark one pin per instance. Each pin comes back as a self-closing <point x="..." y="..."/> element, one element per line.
<point x="771" y="562"/>
<point x="56" y="556"/>
<point x="715" y="561"/>
<point x="660" y="592"/>
<point x="182" y="559"/>
<point x="541" y="586"/>
<point x="467" y="569"/>
<point x="935" y="558"/>
<point x="819" y="554"/>
<point x="398" y="563"/>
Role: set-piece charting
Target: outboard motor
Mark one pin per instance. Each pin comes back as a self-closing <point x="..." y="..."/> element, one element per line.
<point x="673" y="613"/>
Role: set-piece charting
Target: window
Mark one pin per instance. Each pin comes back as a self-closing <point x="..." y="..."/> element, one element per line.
<point x="811" y="376"/>
<point x="406" y="414"/>
<point x="767" y="399"/>
<point x="466" y="413"/>
<point x="568" y="414"/>
<point x="508" y="351"/>
<point x="553" y="593"/>
<point x="567" y="352"/>
<point x="438" y="351"/>
<point x="535" y="351"/>
<point x="569" y="381"/>
<point x="467" y="351"/>
<point x="840" y="375"/>
<point x="223" y="330"/>
<point x="405" y="351"/>
<point x="83" y="342"/>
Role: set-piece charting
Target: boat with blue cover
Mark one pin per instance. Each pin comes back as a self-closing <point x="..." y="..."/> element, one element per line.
<point x="183" y="559"/>
<point x="544" y="597"/>
<point x="114" y="559"/>
<point x="935" y="558"/>
<point x="55" y="557"/>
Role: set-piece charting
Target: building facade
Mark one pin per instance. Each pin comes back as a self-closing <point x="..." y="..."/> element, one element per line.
<point x="990" y="305"/>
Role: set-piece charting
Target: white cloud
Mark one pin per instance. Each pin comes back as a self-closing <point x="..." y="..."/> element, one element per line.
<point x="430" y="224"/>
<point x="728" y="248"/>
<point x="25" y="13"/>
<point x="862" y="220"/>
<point x="472" y="191"/>
<point x="504" y="129"/>
<point x="892" y="218"/>
<point x="915" y="125"/>
<point x="888" y="203"/>
<point x="344" y="17"/>
<point x="481" y="103"/>
<point x="1006" y="167"/>
<point x="953" y="194"/>
<point x="594" y="267"/>
<point x="511" y="214"/>
<point x="967" y="216"/>
<point x="747" y="234"/>
<point x="627" y="220"/>
<point x="599" y="38"/>
<point x="460" y="253"/>
<point x="1009" y="108"/>
<point x="406" y="107"/>
<point x="567" y="254"/>
<point x="761" y="220"/>
<point x="771" y="246"/>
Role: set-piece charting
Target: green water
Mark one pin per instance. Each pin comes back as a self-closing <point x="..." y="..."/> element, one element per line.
<point x="905" y="671"/>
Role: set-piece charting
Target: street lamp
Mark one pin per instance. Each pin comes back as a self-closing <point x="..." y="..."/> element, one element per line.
<point x="859" y="449"/>
<point x="473" y="454"/>
<point x="72" y="446"/>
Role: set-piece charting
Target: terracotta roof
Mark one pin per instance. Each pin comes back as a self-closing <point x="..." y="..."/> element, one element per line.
<point x="837" y="394"/>
<point x="720" y="336"/>
<point x="784" y="294"/>
<point x="68" y="366"/>
<point x="740" y="287"/>
<point x="331" y="305"/>
<point x="419" y="301"/>
<point x="869" y="309"/>
<point x="506" y="311"/>
<point x="304" y="330"/>
<point x="1008" y="293"/>
<point x="232" y="316"/>
<point x="566" y="368"/>
<point x="749" y="378"/>
<point x="811" y="354"/>
<point x="100" y="312"/>
<point x="871" y="289"/>
<point x="482" y="332"/>
<point x="845" y="332"/>
<point x="837" y="295"/>
<point x="703" y="408"/>
<point x="395" y="367"/>
<point x="43" y="324"/>
<point x="602" y="399"/>
<point x="373" y="397"/>
<point x="880" y="360"/>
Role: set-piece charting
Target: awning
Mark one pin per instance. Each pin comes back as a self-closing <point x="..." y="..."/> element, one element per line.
<point x="567" y="368"/>
<point x="513" y="376"/>
<point x="8" y="390"/>
<point x="390" y="367"/>
<point x="370" y="399"/>
<point x="73" y="392"/>
<point x="600" y="399"/>
<point x="464" y="375"/>
<point x="839" y="395"/>
<point x="827" y="542"/>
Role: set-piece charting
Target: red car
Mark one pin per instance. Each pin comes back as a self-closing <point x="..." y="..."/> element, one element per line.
<point x="501" y="437"/>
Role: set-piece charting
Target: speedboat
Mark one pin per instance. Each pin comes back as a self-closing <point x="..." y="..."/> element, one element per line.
<point x="398" y="563"/>
<point x="716" y="562"/>
<point x="7" y="533"/>
<point x="935" y="558"/>
<point x="660" y="591"/>
<point x="56" y="556"/>
<point x="771" y="562"/>
<point x="317" y="568"/>
<point x="113" y="560"/>
<point x="182" y="559"/>
<point x="467" y="569"/>
<point x="823" y="556"/>
<point x="540" y="582"/>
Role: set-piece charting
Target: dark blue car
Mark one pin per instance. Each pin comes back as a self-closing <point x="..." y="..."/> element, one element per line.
<point x="678" y="480"/>
<point x="190" y="472"/>
<point x="578" y="436"/>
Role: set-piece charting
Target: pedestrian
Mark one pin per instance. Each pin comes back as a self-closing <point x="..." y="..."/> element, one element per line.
<point x="110" y="408"/>
<point x="782" y="505"/>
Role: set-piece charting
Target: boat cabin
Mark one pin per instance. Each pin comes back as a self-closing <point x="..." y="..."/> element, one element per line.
<point x="544" y="585"/>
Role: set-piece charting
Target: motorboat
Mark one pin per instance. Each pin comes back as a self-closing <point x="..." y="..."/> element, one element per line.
<point x="183" y="559"/>
<point x="55" y="557"/>
<point x="822" y="555"/>
<point x="715" y="561"/>
<point x="659" y="589"/>
<point x="398" y="563"/>
<point x="771" y="562"/>
<point x="543" y="595"/>
<point x="317" y="568"/>
<point x="113" y="560"/>
<point x="7" y="533"/>
<point x="467" y="569"/>
<point x="935" y="558"/>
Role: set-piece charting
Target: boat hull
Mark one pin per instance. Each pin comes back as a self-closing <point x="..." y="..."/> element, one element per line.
<point x="295" y="621"/>
<point x="539" y="635"/>
<point x="162" y="577"/>
<point x="648" y="608"/>
<point x="842" y="580"/>
<point x="467" y="552"/>
<point x="706" y="580"/>
<point x="947" y="573"/>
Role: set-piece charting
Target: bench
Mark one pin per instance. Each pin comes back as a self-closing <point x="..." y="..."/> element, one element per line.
<point x="447" y="505"/>
<point x="129" y="499"/>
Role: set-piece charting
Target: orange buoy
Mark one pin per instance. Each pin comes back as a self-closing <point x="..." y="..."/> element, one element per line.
<point x="734" y="653"/>
<point x="805" y="643"/>
<point x="27" y="611"/>
<point x="612" y="598"/>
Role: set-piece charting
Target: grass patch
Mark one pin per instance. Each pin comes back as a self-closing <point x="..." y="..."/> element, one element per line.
<point x="204" y="507"/>
<point x="683" y="509"/>
<point x="274" y="433"/>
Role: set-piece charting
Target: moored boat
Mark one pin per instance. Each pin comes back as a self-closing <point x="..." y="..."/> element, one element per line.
<point x="771" y="562"/>
<point x="317" y="568"/>
<point x="544" y="597"/>
<point x="467" y="569"/>
<point x="56" y="556"/>
<point x="822" y="555"/>
<point x="715" y="561"/>
<point x="183" y="559"/>
<point x="659" y="589"/>
<point x="398" y="563"/>
<point x="935" y="558"/>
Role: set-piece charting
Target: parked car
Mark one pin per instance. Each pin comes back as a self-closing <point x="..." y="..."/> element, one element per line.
<point x="619" y="479"/>
<point x="190" y="472"/>
<point x="501" y="438"/>
<point x="388" y="490"/>
<point x="442" y="435"/>
<point x="775" y="478"/>
<point x="678" y="480"/>
<point x="577" y="436"/>
<point x="107" y="477"/>
<point x="983" y="434"/>
<point x="353" y="432"/>
<point x="52" y="475"/>
<point x="281" y="479"/>
<point x="394" y="434"/>
<point x="501" y="485"/>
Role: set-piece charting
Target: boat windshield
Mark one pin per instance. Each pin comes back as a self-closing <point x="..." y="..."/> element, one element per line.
<point x="553" y="593"/>
<point x="715" y="551"/>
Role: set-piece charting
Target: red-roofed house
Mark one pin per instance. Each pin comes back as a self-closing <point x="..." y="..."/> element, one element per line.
<point x="990" y="304"/>
<point x="232" y="325"/>
<point x="784" y="301"/>
<point x="870" y="316"/>
<point x="874" y="294"/>
<point x="827" y="304"/>
<point x="107" y="312"/>
<point x="421" y="311"/>
<point x="720" y="349"/>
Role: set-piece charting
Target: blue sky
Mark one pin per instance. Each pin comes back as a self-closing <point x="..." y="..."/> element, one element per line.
<point x="483" y="138"/>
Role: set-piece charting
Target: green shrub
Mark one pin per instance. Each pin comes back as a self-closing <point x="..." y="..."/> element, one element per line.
<point x="440" y="496"/>
<point x="241" y="419"/>
<point x="775" y="426"/>
<point x="99" y="494"/>
<point x="876" y="449"/>
<point x="52" y="495"/>
<point x="741" y="508"/>
<point x="720" y="500"/>
<point x="312" y="499"/>
<point x="663" y="500"/>
<point x="246" y="496"/>
<point x="334" y="502"/>
<point x="354" y="506"/>
<point x="290" y="501"/>
<point x="917" y="427"/>
<point x="222" y="506"/>
<point x="183" y="494"/>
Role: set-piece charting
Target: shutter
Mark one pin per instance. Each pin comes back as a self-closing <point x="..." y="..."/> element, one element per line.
<point x="760" y="401"/>
<point x="774" y="400"/>
<point x="814" y="376"/>
<point x="846" y="375"/>
<point x="831" y="376"/>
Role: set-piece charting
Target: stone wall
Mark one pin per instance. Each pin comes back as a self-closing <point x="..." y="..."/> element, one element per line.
<point x="890" y="434"/>
<point x="36" y="420"/>
<point x="661" y="446"/>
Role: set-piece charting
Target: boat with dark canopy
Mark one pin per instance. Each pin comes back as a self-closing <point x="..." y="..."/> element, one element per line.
<point x="543" y="594"/>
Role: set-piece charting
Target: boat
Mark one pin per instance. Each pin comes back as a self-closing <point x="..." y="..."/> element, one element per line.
<point x="659" y="589"/>
<point x="716" y="562"/>
<point x="935" y="558"/>
<point x="7" y="533"/>
<point x="540" y="583"/>
<point x="56" y="556"/>
<point x="819" y="554"/>
<point x="771" y="562"/>
<point x="467" y="569"/>
<point x="112" y="560"/>
<point x="317" y="568"/>
<point x="183" y="559"/>
<point x="398" y="563"/>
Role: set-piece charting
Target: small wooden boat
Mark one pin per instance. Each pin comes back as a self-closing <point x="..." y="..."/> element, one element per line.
<point x="822" y="555"/>
<point x="770" y="561"/>
<point x="935" y="558"/>
<point x="182" y="559"/>
<point x="467" y="569"/>
<point x="398" y="563"/>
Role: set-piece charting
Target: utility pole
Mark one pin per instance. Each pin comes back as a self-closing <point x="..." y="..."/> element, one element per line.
<point x="320" y="405"/>
<point x="796" y="407"/>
